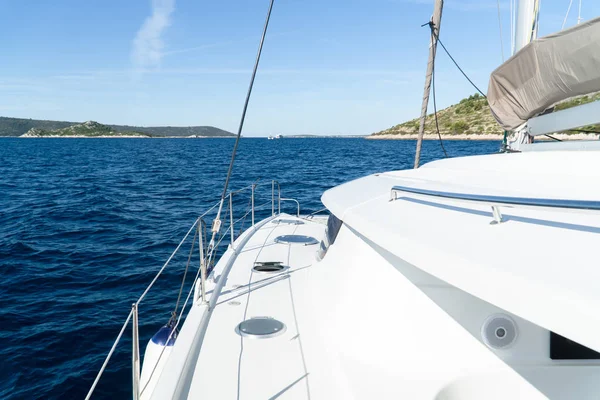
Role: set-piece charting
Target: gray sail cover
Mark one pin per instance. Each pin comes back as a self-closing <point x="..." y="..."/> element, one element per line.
<point x="544" y="72"/>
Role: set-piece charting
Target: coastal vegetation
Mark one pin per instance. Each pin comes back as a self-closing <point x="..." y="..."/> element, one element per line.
<point x="472" y="116"/>
<point x="19" y="126"/>
<point x="87" y="129"/>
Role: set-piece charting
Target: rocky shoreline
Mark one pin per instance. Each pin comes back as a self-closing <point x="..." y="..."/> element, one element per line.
<point x="471" y="136"/>
<point x="84" y="137"/>
<point x="125" y="136"/>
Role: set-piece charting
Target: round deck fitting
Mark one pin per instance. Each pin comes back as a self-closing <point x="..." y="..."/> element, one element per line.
<point x="260" y="328"/>
<point x="296" y="239"/>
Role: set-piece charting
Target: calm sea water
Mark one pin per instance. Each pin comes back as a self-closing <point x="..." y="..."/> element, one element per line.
<point x="86" y="223"/>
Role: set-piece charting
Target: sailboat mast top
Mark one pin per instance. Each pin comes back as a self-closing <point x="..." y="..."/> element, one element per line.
<point x="526" y="26"/>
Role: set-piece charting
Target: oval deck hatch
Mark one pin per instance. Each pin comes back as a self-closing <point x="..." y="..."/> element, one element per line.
<point x="296" y="239"/>
<point x="260" y="328"/>
<point x="288" y="222"/>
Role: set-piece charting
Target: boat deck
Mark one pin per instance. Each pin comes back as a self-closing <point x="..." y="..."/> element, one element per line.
<point x="546" y="256"/>
<point x="266" y="368"/>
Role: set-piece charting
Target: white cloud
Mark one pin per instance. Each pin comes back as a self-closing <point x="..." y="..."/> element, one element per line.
<point x="148" y="45"/>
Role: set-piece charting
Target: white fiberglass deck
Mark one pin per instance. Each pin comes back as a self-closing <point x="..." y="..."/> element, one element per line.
<point x="396" y="307"/>
<point x="259" y="368"/>
<point x="356" y="329"/>
<point x="540" y="264"/>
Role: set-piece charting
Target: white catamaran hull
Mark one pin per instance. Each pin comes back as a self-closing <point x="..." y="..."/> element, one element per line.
<point x="418" y="297"/>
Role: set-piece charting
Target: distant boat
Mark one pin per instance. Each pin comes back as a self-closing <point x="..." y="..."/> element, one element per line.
<point x="275" y="137"/>
<point x="271" y="138"/>
<point x="278" y="137"/>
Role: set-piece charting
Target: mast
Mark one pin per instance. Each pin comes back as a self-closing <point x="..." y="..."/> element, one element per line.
<point x="527" y="23"/>
<point x="436" y="21"/>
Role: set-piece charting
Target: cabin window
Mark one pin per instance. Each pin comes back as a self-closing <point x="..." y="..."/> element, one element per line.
<point x="334" y="225"/>
<point x="333" y="228"/>
<point x="562" y="348"/>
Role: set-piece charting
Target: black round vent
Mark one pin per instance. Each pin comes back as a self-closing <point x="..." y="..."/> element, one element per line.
<point x="269" y="267"/>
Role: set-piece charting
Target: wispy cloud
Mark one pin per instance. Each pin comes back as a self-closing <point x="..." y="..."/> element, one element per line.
<point x="148" y="44"/>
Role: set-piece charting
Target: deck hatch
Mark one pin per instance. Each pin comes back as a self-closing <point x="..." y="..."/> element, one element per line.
<point x="288" y="222"/>
<point x="269" y="267"/>
<point x="260" y="328"/>
<point x="296" y="239"/>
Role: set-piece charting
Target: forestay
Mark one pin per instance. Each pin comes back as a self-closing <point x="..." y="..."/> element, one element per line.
<point x="544" y="72"/>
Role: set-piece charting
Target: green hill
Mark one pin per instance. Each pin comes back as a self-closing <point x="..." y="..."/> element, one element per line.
<point x="87" y="129"/>
<point x="472" y="116"/>
<point x="19" y="126"/>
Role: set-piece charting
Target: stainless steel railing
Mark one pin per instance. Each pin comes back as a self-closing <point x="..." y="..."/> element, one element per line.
<point x="294" y="200"/>
<point x="202" y="274"/>
<point x="496" y="201"/>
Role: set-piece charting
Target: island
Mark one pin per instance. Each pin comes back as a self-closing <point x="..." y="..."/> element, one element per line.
<point x="12" y="127"/>
<point x="87" y="129"/>
<point x="471" y="119"/>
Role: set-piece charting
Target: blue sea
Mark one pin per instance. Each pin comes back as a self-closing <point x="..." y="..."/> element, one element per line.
<point x="85" y="224"/>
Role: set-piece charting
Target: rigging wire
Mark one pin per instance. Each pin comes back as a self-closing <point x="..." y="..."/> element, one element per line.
<point x="553" y="138"/>
<point x="437" y="126"/>
<point x="239" y="132"/>
<point x="500" y="26"/>
<point x="567" y="15"/>
<point x="437" y="37"/>
<point x="242" y="119"/>
<point x="187" y="266"/>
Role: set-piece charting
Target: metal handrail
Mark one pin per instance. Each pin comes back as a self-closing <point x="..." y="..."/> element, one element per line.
<point x="503" y="200"/>
<point x="496" y="201"/>
<point x="297" y="203"/>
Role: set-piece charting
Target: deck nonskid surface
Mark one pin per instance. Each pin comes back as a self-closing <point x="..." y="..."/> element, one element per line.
<point x="249" y="367"/>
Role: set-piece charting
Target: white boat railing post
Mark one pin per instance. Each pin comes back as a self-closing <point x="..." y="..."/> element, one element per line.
<point x="297" y="204"/>
<point x="253" y="186"/>
<point x="231" y="219"/>
<point x="278" y="198"/>
<point x="135" y="354"/>
<point x="272" y="197"/>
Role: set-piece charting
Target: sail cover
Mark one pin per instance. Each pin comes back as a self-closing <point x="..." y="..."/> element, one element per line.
<point x="546" y="71"/>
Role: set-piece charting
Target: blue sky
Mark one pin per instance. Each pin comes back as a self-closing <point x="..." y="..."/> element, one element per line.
<point x="328" y="67"/>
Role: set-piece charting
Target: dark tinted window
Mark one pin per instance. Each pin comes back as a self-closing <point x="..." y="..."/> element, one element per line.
<point x="562" y="348"/>
<point x="333" y="227"/>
